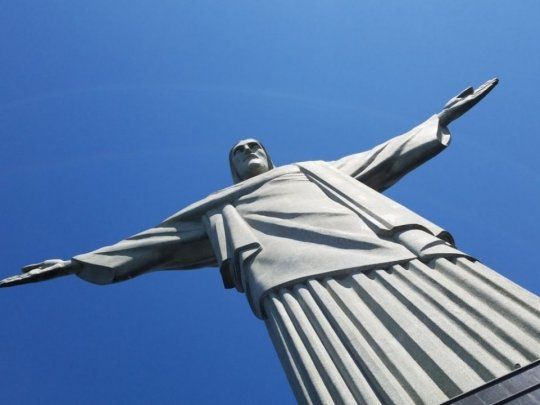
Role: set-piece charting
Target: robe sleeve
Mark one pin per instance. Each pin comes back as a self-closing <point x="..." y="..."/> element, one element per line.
<point x="177" y="245"/>
<point x="385" y="164"/>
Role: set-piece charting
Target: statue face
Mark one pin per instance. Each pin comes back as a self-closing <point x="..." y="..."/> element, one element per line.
<point x="249" y="159"/>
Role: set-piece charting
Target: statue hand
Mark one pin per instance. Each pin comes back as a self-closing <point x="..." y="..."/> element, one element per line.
<point x="464" y="101"/>
<point x="41" y="271"/>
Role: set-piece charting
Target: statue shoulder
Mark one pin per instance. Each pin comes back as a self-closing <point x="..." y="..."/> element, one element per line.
<point x="227" y="195"/>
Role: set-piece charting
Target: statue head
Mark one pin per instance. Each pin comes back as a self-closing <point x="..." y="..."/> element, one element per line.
<point x="247" y="159"/>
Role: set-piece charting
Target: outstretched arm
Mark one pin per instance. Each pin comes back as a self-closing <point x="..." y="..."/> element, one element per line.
<point x="385" y="164"/>
<point x="178" y="245"/>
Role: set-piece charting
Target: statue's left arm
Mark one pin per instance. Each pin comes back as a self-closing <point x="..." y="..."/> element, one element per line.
<point x="385" y="164"/>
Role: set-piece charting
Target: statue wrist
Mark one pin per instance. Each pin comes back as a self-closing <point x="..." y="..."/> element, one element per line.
<point x="74" y="266"/>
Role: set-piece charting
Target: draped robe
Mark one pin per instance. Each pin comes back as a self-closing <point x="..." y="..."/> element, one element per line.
<point x="306" y="241"/>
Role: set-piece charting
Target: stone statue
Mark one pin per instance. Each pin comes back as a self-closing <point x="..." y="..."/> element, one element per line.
<point x="365" y="301"/>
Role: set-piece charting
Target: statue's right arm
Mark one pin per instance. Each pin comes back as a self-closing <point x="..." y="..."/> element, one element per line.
<point x="176" y="245"/>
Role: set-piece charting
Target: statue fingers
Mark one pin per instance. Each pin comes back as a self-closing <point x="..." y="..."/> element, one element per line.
<point x="468" y="91"/>
<point x="29" y="267"/>
<point x="34" y="275"/>
<point x="484" y="89"/>
<point x="43" y="264"/>
<point x="16" y="280"/>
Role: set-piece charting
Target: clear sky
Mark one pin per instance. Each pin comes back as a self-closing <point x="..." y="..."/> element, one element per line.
<point x="116" y="114"/>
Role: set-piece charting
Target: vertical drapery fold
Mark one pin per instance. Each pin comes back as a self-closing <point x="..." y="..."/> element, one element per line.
<point x="412" y="333"/>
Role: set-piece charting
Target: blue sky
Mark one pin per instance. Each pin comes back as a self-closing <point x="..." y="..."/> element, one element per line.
<point x="115" y="114"/>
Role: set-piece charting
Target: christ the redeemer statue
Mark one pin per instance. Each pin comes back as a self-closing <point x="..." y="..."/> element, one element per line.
<point x="365" y="301"/>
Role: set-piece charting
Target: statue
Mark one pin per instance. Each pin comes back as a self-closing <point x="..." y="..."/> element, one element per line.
<point x="365" y="301"/>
